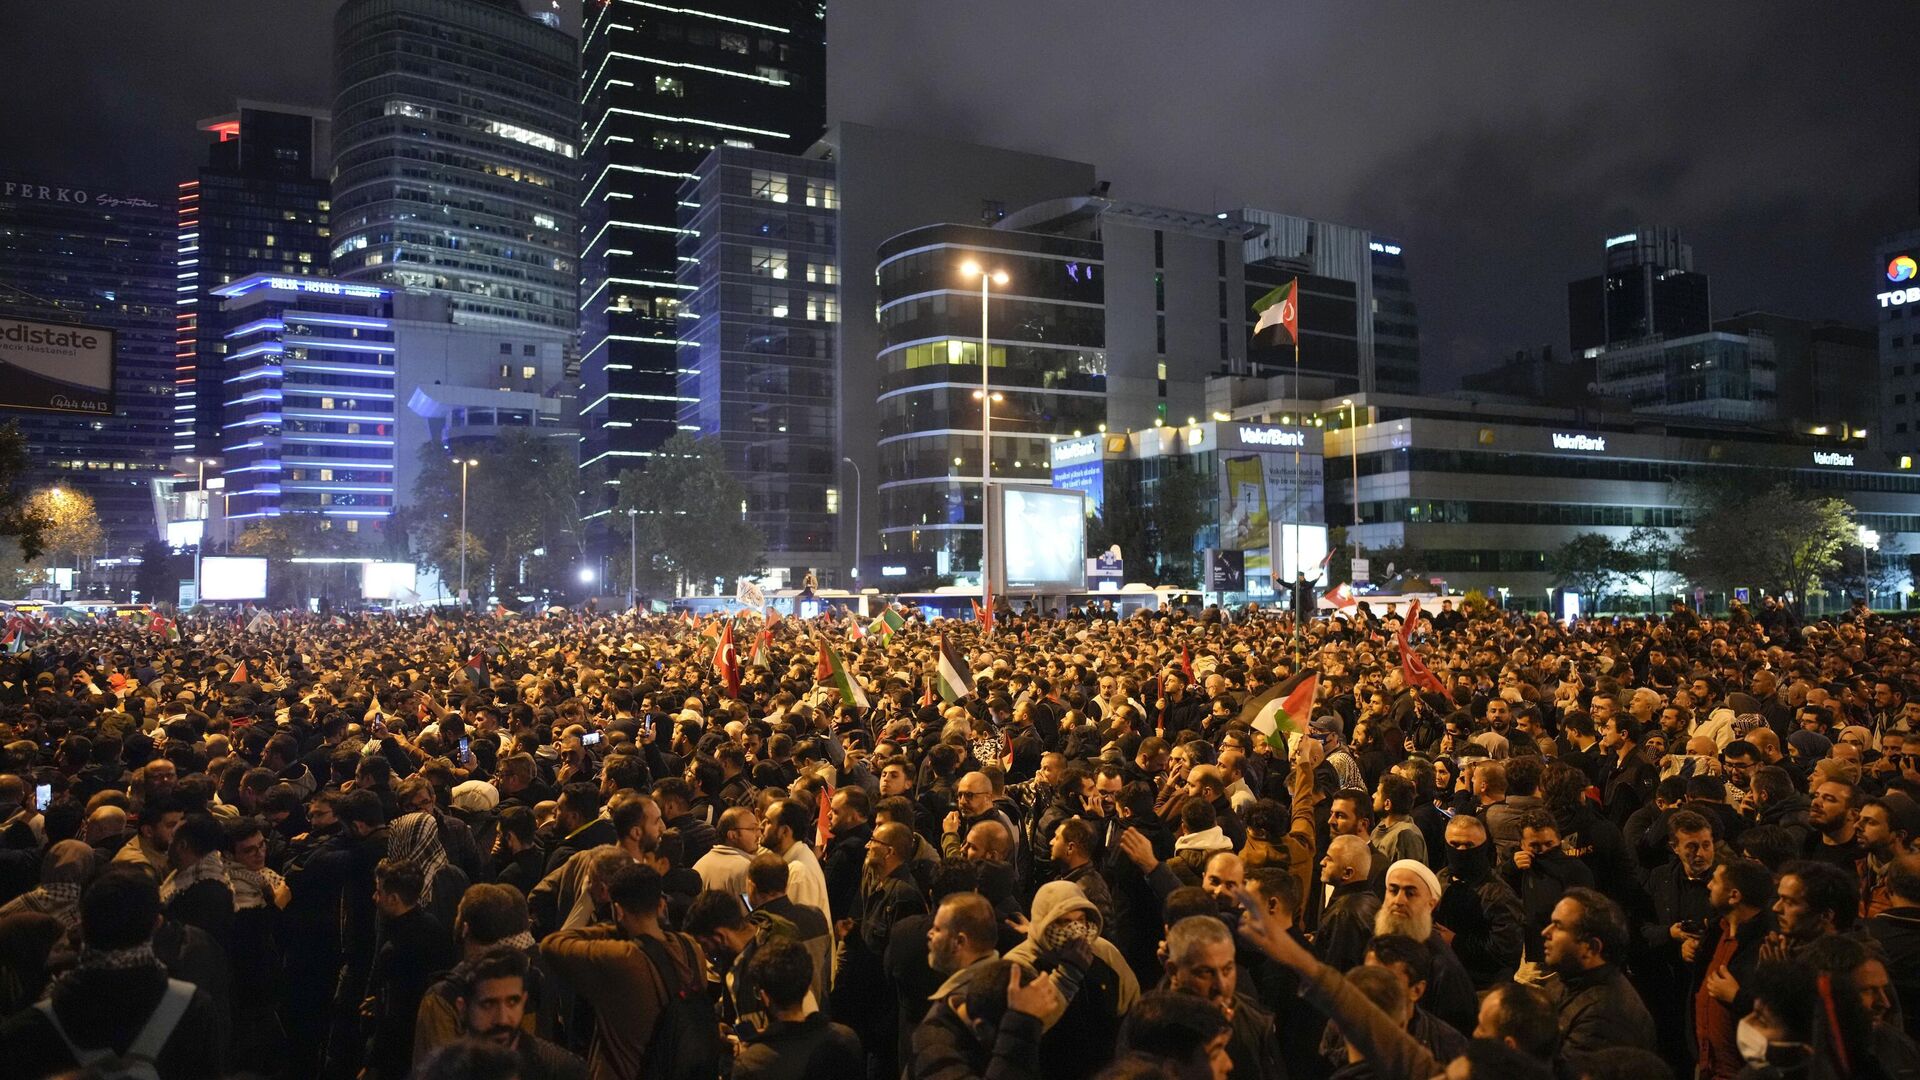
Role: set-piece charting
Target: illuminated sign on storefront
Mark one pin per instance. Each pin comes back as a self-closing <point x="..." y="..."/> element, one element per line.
<point x="1591" y="444"/>
<point x="1825" y="457"/>
<point x="1271" y="436"/>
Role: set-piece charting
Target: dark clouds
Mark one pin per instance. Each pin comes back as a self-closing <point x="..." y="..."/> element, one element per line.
<point x="1498" y="141"/>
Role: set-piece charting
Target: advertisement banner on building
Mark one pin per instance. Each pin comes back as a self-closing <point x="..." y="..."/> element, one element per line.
<point x="56" y="367"/>
<point x="1226" y="571"/>
<point x="1079" y="465"/>
<point x="1258" y="490"/>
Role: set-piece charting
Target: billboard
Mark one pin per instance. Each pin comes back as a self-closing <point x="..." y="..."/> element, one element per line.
<point x="1301" y="547"/>
<point x="1080" y="464"/>
<point x="233" y="579"/>
<point x="1040" y="537"/>
<point x="388" y="581"/>
<point x="1258" y="489"/>
<point x="56" y="367"/>
<point x="1226" y="570"/>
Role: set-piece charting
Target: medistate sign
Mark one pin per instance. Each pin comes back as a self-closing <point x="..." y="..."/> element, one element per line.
<point x="56" y="367"/>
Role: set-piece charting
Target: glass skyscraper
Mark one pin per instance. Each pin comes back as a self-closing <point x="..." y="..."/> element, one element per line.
<point x="758" y="322"/>
<point x="455" y="161"/>
<point x="310" y="401"/>
<point x="259" y="205"/>
<point x="665" y="86"/>
<point x="78" y="254"/>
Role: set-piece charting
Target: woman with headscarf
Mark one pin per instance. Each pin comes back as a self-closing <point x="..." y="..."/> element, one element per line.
<point x="416" y="838"/>
<point x="66" y="868"/>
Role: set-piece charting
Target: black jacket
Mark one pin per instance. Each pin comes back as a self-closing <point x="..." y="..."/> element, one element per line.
<point x="1346" y="925"/>
<point x="1898" y="932"/>
<point x="1599" y="1008"/>
<point x="596" y="832"/>
<point x="945" y="1048"/>
<point x="1487" y="924"/>
<point x="811" y="1049"/>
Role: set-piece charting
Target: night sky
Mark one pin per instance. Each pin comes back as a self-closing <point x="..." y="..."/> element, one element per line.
<point x="1499" y="142"/>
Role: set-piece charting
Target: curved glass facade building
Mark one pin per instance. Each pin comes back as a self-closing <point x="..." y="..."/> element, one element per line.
<point x="455" y="146"/>
<point x="1048" y="367"/>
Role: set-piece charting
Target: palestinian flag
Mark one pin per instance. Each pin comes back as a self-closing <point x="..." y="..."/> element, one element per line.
<point x="476" y="670"/>
<point x="727" y="662"/>
<point x="16" y="641"/>
<point x="854" y="633"/>
<point x="1283" y="710"/>
<point x="956" y="674"/>
<point x="1281" y="308"/>
<point x="239" y="673"/>
<point x="773" y="616"/>
<point x="886" y="623"/>
<point x="835" y="674"/>
<point x="761" y="656"/>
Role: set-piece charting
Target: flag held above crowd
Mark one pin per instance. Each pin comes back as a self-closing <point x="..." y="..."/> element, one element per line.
<point x="1283" y="709"/>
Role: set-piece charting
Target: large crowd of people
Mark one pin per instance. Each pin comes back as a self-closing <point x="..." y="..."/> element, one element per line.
<point x="1175" y="846"/>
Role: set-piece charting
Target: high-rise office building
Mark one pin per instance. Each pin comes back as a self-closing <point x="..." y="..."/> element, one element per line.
<point x="258" y="206"/>
<point x="891" y="182"/>
<point x="335" y="390"/>
<point x="310" y="401"/>
<point x="1825" y="373"/>
<point x="1110" y="318"/>
<point x="665" y="86"/>
<point x="1365" y="335"/>
<point x="757" y="326"/>
<point x="1723" y="376"/>
<point x="455" y="156"/>
<point x="1897" y="312"/>
<point x="81" y="254"/>
<point x="1647" y="288"/>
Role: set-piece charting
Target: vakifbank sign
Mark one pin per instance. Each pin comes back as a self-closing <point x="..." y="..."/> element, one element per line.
<point x="1590" y="444"/>
<point x="56" y="367"/>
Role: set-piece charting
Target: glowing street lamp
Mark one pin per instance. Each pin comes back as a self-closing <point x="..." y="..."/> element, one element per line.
<point x="985" y="396"/>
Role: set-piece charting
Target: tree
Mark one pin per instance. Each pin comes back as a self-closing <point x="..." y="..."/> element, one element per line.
<point x="523" y="513"/>
<point x="1175" y="520"/>
<point x="17" y="572"/>
<point x="157" y="578"/>
<point x="1647" y="557"/>
<point x="68" y="524"/>
<point x="689" y="529"/>
<point x="1587" y="565"/>
<point x="1783" y="539"/>
<point x="1887" y="570"/>
<point x="16" y="523"/>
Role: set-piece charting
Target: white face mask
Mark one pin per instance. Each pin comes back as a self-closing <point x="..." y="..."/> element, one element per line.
<point x="1752" y="1043"/>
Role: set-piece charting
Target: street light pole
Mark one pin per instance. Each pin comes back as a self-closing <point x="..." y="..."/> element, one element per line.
<point x="465" y="464"/>
<point x="857" y="485"/>
<point x="1353" y="454"/>
<point x="987" y="278"/>
<point x="633" y="554"/>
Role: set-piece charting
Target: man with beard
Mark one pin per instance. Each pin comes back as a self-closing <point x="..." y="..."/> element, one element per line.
<point x="1833" y="815"/>
<point x="1723" y="958"/>
<point x="1598" y="1006"/>
<point x="1479" y="910"/>
<point x="1201" y="962"/>
<point x="491" y="1001"/>
<point x="889" y="895"/>
<point x="1888" y="826"/>
<point x="1812" y="900"/>
<point x="1681" y="910"/>
<point x="1413" y="891"/>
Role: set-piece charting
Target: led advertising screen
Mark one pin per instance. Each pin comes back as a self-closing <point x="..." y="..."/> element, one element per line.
<point x="233" y="579"/>
<point x="1301" y="547"/>
<point x="56" y="367"/>
<point x="1041" y="539"/>
<point x="387" y="581"/>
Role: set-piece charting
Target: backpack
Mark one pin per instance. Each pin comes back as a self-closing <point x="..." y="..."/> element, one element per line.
<point x="686" y="1040"/>
<point x="141" y="1061"/>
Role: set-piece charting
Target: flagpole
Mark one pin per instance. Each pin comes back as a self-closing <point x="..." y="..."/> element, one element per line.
<point x="1299" y="616"/>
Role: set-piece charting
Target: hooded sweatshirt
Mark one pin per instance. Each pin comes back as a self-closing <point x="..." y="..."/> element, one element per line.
<point x="1054" y="900"/>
